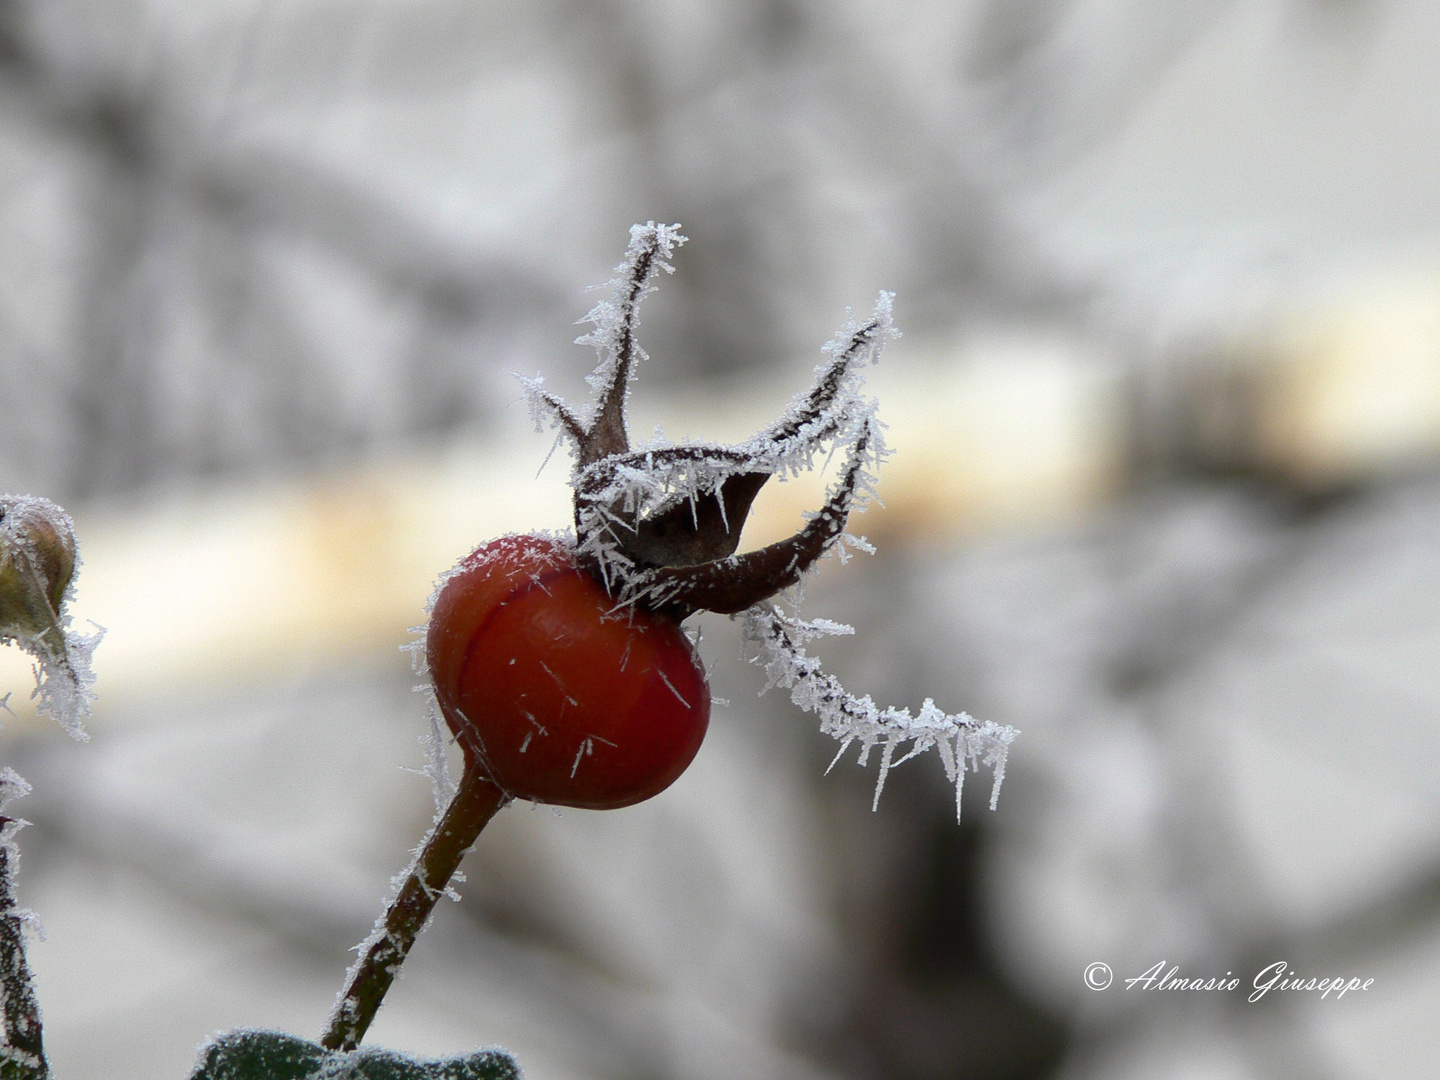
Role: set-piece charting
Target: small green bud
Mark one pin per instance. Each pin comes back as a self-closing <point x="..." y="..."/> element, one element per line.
<point x="37" y="562"/>
<point x="37" y="565"/>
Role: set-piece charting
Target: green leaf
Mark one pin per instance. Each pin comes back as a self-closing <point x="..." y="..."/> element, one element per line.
<point x="273" y="1055"/>
<point x="260" y="1055"/>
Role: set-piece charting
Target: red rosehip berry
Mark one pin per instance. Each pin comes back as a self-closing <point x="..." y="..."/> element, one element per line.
<point x="554" y="691"/>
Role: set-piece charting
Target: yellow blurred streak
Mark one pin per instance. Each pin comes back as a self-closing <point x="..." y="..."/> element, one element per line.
<point x="1337" y="386"/>
<point x="1351" y="387"/>
<point x="256" y="583"/>
<point x="1006" y="431"/>
<point x="1021" y="433"/>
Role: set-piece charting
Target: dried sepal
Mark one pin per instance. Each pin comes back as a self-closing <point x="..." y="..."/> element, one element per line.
<point x="615" y="321"/>
<point x="731" y="585"/>
<point x="816" y="417"/>
<point x="961" y="740"/>
<point x="831" y="411"/>
<point x="637" y="486"/>
<point x="690" y="532"/>
<point x="547" y="405"/>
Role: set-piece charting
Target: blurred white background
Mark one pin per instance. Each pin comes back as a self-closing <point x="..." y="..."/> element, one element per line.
<point x="1165" y="497"/>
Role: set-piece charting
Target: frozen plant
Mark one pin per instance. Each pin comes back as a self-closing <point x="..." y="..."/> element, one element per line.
<point x="558" y="662"/>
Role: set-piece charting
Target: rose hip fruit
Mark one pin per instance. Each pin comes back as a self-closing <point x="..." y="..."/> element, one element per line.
<point x="555" y="692"/>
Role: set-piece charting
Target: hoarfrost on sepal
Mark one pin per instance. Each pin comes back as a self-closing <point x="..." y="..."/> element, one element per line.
<point x="959" y="739"/>
<point x="615" y="320"/>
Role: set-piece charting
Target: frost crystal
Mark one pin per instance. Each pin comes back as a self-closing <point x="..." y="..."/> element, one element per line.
<point x="651" y="248"/>
<point x="959" y="738"/>
<point x="38" y="563"/>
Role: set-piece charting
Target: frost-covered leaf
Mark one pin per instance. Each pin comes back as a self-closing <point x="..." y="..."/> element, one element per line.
<point x="260" y="1055"/>
<point x="274" y="1055"/>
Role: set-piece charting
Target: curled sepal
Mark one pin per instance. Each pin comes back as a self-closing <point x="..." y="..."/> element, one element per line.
<point x="38" y="560"/>
<point x="736" y="582"/>
<point x="831" y="412"/>
<point x="274" y="1055"/>
<point x="961" y="741"/>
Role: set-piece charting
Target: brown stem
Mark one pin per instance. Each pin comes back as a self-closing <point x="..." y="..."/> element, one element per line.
<point x="474" y="804"/>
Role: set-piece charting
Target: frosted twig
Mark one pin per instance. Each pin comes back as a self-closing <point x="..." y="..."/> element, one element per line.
<point x="23" y="1048"/>
<point x="381" y="954"/>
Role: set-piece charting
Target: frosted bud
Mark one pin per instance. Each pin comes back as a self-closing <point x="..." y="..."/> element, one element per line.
<point x="37" y="561"/>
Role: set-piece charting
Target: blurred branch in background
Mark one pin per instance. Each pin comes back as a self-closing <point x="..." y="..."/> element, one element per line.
<point x="221" y="305"/>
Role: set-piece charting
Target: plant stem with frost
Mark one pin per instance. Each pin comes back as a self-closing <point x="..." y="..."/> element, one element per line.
<point x="475" y="803"/>
<point x="19" y="1012"/>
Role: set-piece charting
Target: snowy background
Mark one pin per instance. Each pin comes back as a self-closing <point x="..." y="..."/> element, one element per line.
<point x="1166" y="497"/>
